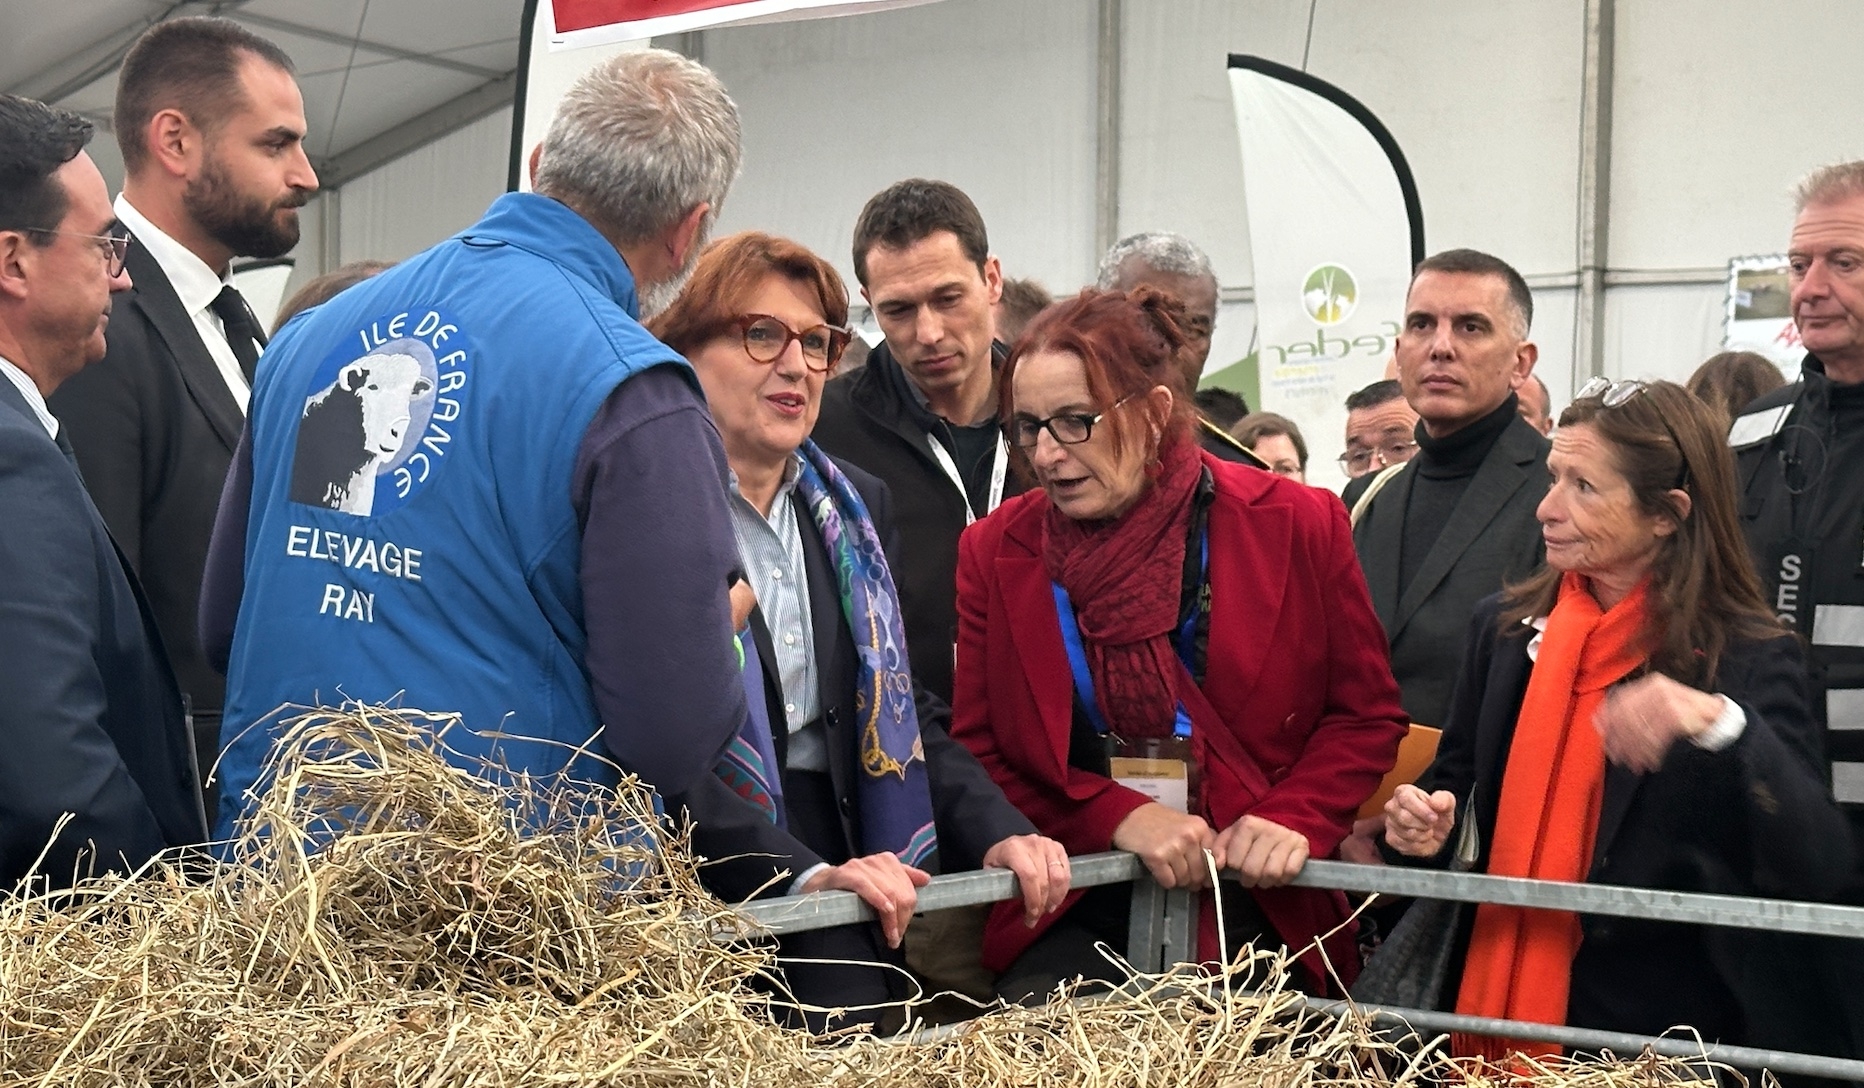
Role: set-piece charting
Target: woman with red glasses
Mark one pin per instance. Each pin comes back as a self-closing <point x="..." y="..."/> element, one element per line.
<point x="1163" y="653"/>
<point x="843" y="778"/>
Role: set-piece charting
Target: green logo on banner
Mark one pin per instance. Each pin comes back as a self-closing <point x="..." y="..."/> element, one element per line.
<point x="1329" y="294"/>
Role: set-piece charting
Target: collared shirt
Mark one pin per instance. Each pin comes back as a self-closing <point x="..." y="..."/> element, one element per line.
<point x="772" y="549"/>
<point x="34" y="400"/>
<point x="197" y="286"/>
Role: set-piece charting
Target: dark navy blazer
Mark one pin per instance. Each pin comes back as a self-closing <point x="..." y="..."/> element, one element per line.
<point x="91" y="722"/>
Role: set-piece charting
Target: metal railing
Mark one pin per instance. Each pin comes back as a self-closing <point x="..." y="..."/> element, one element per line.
<point x="1163" y="931"/>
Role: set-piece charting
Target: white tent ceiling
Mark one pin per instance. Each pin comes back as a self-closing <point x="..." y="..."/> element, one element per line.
<point x="380" y="77"/>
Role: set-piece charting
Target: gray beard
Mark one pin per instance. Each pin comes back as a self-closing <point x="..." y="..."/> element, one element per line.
<point x="655" y="297"/>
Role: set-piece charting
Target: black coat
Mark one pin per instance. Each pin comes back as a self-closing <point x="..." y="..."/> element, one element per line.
<point x="868" y="419"/>
<point x="970" y="812"/>
<point x="1754" y="819"/>
<point x="155" y="426"/>
<point x="1491" y="537"/>
<point x="90" y="716"/>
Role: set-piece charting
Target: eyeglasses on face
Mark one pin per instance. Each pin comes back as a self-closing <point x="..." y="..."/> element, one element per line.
<point x="766" y="339"/>
<point x="1358" y="462"/>
<point x="1068" y="428"/>
<point x="114" y="246"/>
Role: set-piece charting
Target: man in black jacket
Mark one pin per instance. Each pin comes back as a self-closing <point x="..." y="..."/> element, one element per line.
<point x="211" y="126"/>
<point x="89" y="709"/>
<point x="922" y="414"/>
<point x="1459" y="520"/>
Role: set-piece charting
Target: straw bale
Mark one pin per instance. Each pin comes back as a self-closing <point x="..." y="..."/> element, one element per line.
<point x="387" y="919"/>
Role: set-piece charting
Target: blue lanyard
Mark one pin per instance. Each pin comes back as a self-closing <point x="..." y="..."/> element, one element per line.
<point x="1077" y="652"/>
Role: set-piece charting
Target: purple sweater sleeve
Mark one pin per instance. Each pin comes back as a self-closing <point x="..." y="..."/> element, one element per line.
<point x="658" y="559"/>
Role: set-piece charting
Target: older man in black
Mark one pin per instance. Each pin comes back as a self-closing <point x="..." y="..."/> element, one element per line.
<point x="96" y="758"/>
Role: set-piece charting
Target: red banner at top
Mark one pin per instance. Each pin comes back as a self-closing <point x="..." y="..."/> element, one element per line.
<point x="585" y="14"/>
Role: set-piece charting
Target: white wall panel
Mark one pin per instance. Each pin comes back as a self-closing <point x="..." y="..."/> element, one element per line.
<point x="1719" y="110"/>
<point x="994" y="96"/>
<point x="411" y="203"/>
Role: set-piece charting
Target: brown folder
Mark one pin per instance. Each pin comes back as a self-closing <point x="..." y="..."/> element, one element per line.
<point x="1415" y="752"/>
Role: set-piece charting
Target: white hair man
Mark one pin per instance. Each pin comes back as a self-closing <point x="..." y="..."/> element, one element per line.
<point x="1173" y="264"/>
<point x="1800" y="453"/>
<point x="552" y="556"/>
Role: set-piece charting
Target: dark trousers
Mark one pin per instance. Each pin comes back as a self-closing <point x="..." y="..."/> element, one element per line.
<point x="858" y="973"/>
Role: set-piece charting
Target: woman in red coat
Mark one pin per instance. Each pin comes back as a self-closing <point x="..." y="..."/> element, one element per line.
<point x="1163" y="653"/>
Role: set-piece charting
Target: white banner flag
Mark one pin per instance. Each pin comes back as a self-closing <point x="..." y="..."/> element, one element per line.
<point x="1335" y="228"/>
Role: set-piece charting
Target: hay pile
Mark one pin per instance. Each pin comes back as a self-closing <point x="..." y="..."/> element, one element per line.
<point x="389" y="920"/>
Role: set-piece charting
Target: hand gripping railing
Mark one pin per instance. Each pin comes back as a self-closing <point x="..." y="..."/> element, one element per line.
<point x="1164" y="925"/>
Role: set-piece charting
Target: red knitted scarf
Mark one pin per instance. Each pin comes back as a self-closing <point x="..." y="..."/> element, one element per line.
<point x="1124" y="577"/>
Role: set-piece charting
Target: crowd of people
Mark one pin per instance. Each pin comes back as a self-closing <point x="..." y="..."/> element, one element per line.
<point x="1004" y="589"/>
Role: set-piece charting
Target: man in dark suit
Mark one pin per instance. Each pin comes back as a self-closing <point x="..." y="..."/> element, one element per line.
<point x="96" y="759"/>
<point x="211" y="124"/>
<point x="1458" y="520"/>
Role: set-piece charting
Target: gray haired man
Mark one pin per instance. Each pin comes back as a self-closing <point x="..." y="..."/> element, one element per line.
<point x="544" y="547"/>
<point x="1172" y="264"/>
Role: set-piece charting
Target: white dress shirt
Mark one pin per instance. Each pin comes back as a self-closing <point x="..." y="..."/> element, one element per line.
<point x="197" y="286"/>
<point x="31" y="393"/>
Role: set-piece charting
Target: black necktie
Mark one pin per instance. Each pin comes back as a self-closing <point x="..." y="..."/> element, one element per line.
<point x="243" y="333"/>
<point x="64" y="447"/>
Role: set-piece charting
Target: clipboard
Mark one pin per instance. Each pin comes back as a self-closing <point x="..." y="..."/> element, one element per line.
<point x="1415" y="752"/>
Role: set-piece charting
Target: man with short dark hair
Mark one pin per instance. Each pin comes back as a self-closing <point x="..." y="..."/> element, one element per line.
<point x="1173" y="264"/>
<point x="1536" y="404"/>
<point x="92" y="718"/>
<point x="922" y="414"/>
<point x="1459" y="519"/>
<point x="1380" y="429"/>
<point x="1018" y="305"/>
<point x="475" y="484"/>
<point x="211" y="127"/>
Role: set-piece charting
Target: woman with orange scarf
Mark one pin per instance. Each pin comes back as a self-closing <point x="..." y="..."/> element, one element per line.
<point x="1633" y="714"/>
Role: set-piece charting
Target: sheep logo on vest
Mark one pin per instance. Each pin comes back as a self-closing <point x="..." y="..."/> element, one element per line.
<point x="353" y="430"/>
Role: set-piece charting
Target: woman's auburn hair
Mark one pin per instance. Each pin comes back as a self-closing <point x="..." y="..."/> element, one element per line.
<point x="1127" y="342"/>
<point x="1704" y="593"/>
<point x="729" y="271"/>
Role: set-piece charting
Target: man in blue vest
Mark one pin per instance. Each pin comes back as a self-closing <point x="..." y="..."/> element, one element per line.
<point x="474" y="484"/>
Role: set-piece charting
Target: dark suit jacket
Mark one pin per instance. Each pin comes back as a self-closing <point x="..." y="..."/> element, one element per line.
<point x="155" y="426"/>
<point x="89" y="710"/>
<point x="1492" y="537"/>
<point x="1754" y="819"/>
<point x="1296" y="670"/>
<point x="970" y="812"/>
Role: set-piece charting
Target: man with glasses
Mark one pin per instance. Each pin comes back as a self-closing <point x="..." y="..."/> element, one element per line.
<point x="211" y="128"/>
<point x="92" y="718"/>
<point x="524" y="519"/>
<point x="1379" y="435"/>
<point x="1800" y="455"/>
<point x="1459" y="520"/>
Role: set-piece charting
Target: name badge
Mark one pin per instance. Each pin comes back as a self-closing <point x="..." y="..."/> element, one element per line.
<point x="1167" y="781"/>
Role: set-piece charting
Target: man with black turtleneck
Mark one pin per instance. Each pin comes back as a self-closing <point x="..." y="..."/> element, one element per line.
<point x="1459" y="520"/>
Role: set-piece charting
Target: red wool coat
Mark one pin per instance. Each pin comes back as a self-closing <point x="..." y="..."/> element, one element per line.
<point x="1297" y="671"/>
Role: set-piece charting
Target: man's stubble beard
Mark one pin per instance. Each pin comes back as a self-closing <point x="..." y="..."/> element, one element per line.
<point x="655" y="297"/>
<point x="242" y="224"/>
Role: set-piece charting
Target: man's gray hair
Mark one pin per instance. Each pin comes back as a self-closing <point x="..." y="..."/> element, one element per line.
<point x="1829" y="184"/>
<point x="639" y="141"/>
<point x="1160" y="250"/>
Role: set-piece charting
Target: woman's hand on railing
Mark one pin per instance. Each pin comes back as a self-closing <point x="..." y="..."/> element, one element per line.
<point x="883" y="882"/>
<point x="1417" y="824"/>
<point x="1169" y="843"/>
<point x="1041" y="867"/>
<point x="1264" y="853"/>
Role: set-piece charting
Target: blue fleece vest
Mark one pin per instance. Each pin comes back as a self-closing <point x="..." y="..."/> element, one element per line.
<point x="412" y="539"/>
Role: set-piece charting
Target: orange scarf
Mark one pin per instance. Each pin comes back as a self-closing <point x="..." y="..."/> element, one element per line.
<point x="1520" y="960"/>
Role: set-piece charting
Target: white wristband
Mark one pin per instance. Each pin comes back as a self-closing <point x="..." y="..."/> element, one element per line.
<point x="1724" y="730"/>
